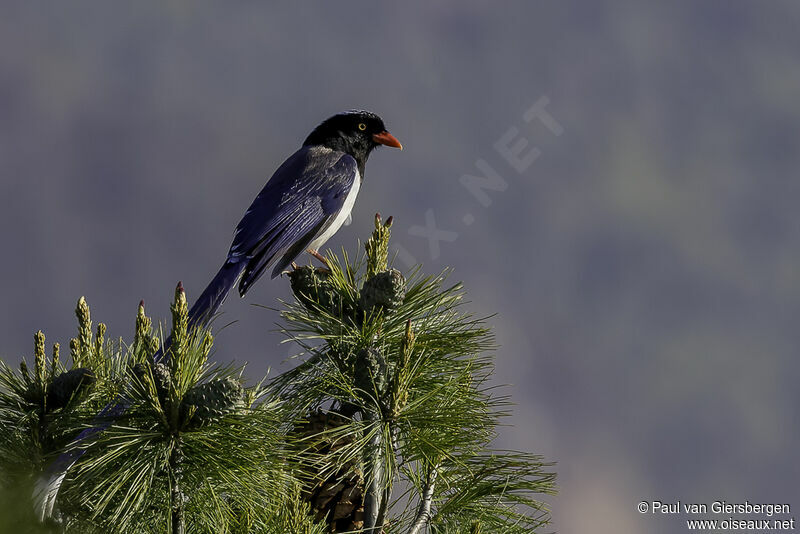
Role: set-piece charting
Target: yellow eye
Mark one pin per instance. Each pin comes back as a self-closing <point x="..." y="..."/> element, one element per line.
<point x="362" y="126"/>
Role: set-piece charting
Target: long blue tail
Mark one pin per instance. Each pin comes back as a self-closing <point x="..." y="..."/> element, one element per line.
<point x="201" y="313"/>
<point x="214" y="294"/>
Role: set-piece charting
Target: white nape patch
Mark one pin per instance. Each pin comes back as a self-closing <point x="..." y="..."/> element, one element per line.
<point x="340" y="218"/>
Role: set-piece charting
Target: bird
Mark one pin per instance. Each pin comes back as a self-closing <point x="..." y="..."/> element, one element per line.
<point x="305" y="202"/>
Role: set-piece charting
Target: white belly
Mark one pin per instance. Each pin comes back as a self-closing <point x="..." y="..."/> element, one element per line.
<point x="340" y="218"/>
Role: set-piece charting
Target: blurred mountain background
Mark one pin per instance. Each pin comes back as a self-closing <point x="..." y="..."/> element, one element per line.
<point x="645" y="268"/>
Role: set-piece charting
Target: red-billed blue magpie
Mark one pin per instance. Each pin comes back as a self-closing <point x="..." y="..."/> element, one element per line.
<point x="305" y="202"/>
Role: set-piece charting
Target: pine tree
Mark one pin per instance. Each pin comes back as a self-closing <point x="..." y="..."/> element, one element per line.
<point x="386" y="425"/>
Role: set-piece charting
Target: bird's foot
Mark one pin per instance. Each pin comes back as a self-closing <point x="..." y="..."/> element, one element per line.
<point x="294" y="268"/>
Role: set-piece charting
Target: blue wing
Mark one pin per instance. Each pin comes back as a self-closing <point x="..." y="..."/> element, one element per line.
<point x="300" y="199"/>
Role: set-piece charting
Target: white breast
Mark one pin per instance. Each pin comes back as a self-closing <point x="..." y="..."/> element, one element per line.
<point x="340" y="218"/>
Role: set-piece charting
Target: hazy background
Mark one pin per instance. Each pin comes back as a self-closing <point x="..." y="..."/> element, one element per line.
<point x="645" y="269"/>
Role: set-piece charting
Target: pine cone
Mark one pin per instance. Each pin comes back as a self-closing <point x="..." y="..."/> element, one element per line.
<point x="337" y="499"/>
<point x="313" y="290"/>
<point x="68" y="385"/>
<point x="213" y="400"/>
<point x="386" y="290"/>
<point x="370" y="371"/>
<point x="161" y="376"/>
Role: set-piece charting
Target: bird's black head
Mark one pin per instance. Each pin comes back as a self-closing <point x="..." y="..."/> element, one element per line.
<point x="354" y="132"/>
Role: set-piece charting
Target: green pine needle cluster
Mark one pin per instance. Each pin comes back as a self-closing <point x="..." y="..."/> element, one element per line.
<point x="38" y="408"/>
<point x="194" y="447"/>
<point x="385" y="425"/>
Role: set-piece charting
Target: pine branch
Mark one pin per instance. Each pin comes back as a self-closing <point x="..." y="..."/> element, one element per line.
<point x="422" y="393"/>
<point x="177" y="497"/>
<point x="374" y="497"/>
<point x="424" y="511"/>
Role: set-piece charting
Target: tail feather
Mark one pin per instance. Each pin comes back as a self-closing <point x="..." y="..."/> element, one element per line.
<point x="49" y="483"/>
<point x="45" y="491"/>
<point x="214" y="295"/>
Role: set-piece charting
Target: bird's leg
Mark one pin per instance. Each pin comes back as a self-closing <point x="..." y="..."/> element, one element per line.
<point x="319" y="256"/>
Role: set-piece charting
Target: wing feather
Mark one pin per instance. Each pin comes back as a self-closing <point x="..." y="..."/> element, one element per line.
<point x="300" y="199"/>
